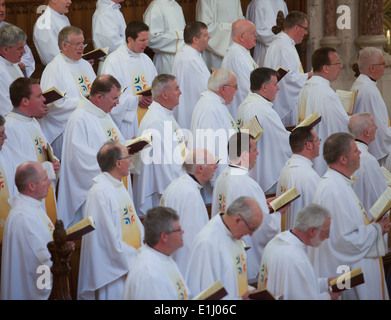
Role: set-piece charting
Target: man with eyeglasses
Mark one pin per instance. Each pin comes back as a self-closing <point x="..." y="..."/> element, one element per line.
<point x="282" y="53"/>
<point x="218" y="252"/>
<point x="235" y="182"/>
<point x="48" y="26"/>
<point x="369" y="99"/>
<point x="88" y="128"/>
<point x="70" y="74"/>
<point x="107" y="253"/>
<point x="318" y="96"/>
<point x="286" y="270"/>
<point x="154" y="275"/>
<point x="238" y="59"/>
<point x="298" y="171"/>
<point x="259" y="103"/>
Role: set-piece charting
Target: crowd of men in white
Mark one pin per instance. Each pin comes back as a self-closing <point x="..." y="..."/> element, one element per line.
<point x="154" y="238"/>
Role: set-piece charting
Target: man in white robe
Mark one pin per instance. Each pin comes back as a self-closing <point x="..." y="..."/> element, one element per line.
<point x="235" y="182"/>
<point x="218" y="15"/>
<point x="88" y="128"/>
<point x="108" y="252"/>
<point x="318" y="96"/>
<point x="282" y="53"/>
<point x="26" y="234"/>
<point x="166" y="24"/>
<point x="7" y="178"/>
<point x="239" y="60"/>
<point x="299" y="173"/>
<point x="27" y="63"/>
<point x="162" y="163"/>
<point x="212" y="124"/>
<point x="12" y="43"/>
<point x="369" y="99"/>
<point x="370" y="182"/>
<point x="135" y="71"/>
<point x="154" y="274"/>
<point x="25" y="138"/>
<point x="286" y="270"/>
<point x="259" y="103"/>
<point x="71" y="74"/>
<point x="191" y="71"/>
<point x="200" y="166"/>
<point x="355" y="241"/>
<point x="218" y="253"/>
<point x="48" y="26"/>
<point x="108" y="26"/>
<point x="263" y="13"/>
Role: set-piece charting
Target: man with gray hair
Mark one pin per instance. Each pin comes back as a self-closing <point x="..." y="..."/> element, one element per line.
<point x="218" y="253"/>
<point x="285" y="268"/>
<point x="154" y="274"/>
<point x="369" y="99"/>
<point x="12" y="42"/>
<point x="71" y="74"/>
<point x="162" y="163"/>
<point x="200" y="166"/>
<point x="370" y="182"/>
<point x="355" y="241"/>
<point x="211" y="122"/>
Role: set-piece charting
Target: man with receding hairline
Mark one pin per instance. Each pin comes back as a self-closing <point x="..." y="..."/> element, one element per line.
<point x="26" y="234"/>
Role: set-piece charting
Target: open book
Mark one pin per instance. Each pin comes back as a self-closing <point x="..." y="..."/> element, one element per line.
<point x="52" y="95"/>
<point x="137" y="144"/>
<point x="96" y="54"/>
<point x="49" y="152"/>
<point x="382" y="205"/>
<point x="263" y="294"/>
<point x="312" y="120"/>
<point x="387" y="175"/>
<point x="347" y="281"/>
<point x="348" y="99"/>
<point x="284" y="199"/>
<point x="80" y="229"/>
<point x="145" y="92"/>
<point x="254" y="128"/>
<point x="281" y="73"/>
<point x="215" y="292"/>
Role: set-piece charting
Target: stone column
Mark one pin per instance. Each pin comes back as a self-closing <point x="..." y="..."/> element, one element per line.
<point x="330" y="38"/>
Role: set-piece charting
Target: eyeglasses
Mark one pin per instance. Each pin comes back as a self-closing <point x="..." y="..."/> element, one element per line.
<point x="305" y="28"/>
<point x="113" y="100"/>
<point x="77" y="45"/>
<point x="251" y="229"/>
<point x="235" y="86"/>
<point x="175" y="230"/>
<point x="380" y="64"/>
<point x="317" y="140"/>
<point x="326" y="232"/>
<point x="335" y="64"/>
<point x="127" y="157"/>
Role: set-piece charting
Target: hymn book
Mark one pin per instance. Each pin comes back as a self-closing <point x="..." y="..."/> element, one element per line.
<point x="49" y="153"/>
<point x="80" y="229"/>
<point x="281" y="73"/>
<point x="284" y="199"/>
<point x="387" y="175"/>
<point x="52" y="95"/>
<point x="215" y="292"/>
<point x="347" y="281"/>
<point x="263" y="295"/>
<point x="348" y="99"/>
<point x="312" y="120"/>
<point x="96" y="54"/>
<point x="254" y="128"/>
<point x="382" y="205"/>
<point x="137" y="144"/>
<point x="145" y="92"/>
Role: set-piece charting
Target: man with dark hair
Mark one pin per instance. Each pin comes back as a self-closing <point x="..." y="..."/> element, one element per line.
<point x="318" y="96"/>
<point x="298" y="171"/>
<point x="68" y="72"/>
<point x="259" y="103"/>
<point x="191" y="70"/>
<point x="154" y="274"/>
<point x="355" y="241"/>
<point x="27" y="231"/>
<point x="26" y="140"/>
<point x="107" y="253"/>
<point x="135" y="71"/>
<point x="282" y="53"/>
<point x="88" y="128"/>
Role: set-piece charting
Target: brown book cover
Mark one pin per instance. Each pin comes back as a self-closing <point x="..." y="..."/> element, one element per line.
<point x="96" y="54"/>
<point x="281" y="73"/>
<point x="80" y="229"/>
<point x="145" y="92"/>
<point x="215" y="292"/>
<point x="262" y="295"/>
<point x="52" y="95"/>
<point x="355" y="276"/>
<point x="138" y="144"/>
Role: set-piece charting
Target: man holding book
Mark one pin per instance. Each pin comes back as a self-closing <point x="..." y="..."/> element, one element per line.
<point x="355" y="241"/>
<point x="27" y="232"/>
<point x="135" y="72"/>
<point x="318" y="96"/>
<point x="234" y="182"/>
<point x="108" y="252"/>
<point x="259" y="103"/>
<point x="71" y="75"/>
